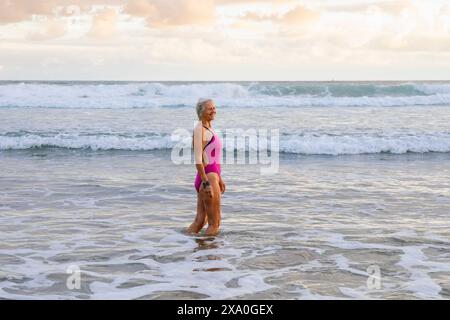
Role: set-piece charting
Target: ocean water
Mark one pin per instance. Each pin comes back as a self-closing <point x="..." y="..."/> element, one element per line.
<point x="359" y="207"/>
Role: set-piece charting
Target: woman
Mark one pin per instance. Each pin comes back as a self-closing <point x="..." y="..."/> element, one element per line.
<point x="208" y="182"/>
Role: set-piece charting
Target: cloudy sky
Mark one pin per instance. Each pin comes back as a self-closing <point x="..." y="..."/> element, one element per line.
<point x="224" y="39"/>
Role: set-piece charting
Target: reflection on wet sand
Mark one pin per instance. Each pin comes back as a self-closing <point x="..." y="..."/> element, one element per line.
<point x="207" y="243"/>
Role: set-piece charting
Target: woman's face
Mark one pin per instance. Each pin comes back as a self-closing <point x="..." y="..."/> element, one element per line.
<point x="210" y="111"/>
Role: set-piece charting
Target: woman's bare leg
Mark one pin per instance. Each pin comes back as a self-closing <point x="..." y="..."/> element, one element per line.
<point x="212" y="205"/>
<point x="201" y="217"/>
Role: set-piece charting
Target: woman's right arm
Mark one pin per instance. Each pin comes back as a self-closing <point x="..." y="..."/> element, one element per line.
<point x="198" y="151"/>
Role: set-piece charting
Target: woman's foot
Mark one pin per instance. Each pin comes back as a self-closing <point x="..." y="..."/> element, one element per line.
<point x="211" y="231"/>
<point x="194" y="228"/>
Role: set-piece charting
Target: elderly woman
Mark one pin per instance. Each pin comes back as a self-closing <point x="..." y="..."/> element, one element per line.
<point x="208" y="182"/>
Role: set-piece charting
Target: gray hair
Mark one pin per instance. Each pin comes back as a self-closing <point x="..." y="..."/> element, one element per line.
<point x="200" y="107"/>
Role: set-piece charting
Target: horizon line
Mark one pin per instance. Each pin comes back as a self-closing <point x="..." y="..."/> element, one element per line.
<point x="331" y="80"/>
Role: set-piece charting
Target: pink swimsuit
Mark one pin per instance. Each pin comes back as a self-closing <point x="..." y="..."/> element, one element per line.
<point x="214" y="152"/>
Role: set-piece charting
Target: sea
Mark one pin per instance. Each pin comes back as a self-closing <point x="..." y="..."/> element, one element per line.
<point x="94" y="202"/>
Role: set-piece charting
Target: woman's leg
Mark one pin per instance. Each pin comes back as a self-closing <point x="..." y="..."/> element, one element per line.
<point x="201" y="217"/>
<point x="212" y="205"/>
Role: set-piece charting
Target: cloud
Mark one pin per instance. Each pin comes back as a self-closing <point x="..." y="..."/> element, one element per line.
<point x="52" y="29"/>
<point x="141" y="8"/>
<point x="443" y="18"/>
<point x="389" y="7"/>
<point x="411" y="43"/>
<point x="395" y="7"/>
<point x="231" y="2"/>
<point x="251" y="32"/>
<point x="299" y="15"/>
<point x="20" y="10"/>
<point x="157" y="13"/>
<point x="163" y="13"/>
<point x="104" y="24"/>
<point x="52" y="62"/>
<point x="12" y="11"/>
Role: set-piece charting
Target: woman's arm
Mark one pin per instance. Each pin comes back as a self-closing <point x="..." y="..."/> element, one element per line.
<point x="198" y="152"/>
<point x="221" y="185"/>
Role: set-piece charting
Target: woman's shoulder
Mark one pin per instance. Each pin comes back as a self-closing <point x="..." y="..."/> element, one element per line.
<point x="198" y="128"/>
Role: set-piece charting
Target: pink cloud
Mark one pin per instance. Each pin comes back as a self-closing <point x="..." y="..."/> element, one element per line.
<point x="104" y="24"/>
<point x="160" y="13"/>
<point x="19" y="10"/>
<point x="300" y="15"/>
<point x="12" y="11"/>
<point x="297" y="16"/>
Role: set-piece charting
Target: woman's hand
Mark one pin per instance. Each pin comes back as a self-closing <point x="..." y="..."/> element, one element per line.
<point x="208" y="190"/>
<point x="222" y="186"/>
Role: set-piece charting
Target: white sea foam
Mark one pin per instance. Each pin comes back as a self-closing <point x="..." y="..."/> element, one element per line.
<point x="74" y="141"/>
<point x="353" y="144"/>
<point x="419" y="266"/>
<point x="326" y="144"/>
<point x="154" y="94"/>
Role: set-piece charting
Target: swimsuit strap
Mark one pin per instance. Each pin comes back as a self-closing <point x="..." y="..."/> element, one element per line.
<point x="209" y="140"/>
<point x="208" y="129"/>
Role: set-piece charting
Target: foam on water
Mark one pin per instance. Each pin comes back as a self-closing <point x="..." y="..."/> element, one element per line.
<point x="366" y="143"/>
<point x="188" y="274"/>
<point x="308" y="144"/>
<point x="226" y="94"/>
<point x="188" y="270"/>
<point x="77" y="141"/>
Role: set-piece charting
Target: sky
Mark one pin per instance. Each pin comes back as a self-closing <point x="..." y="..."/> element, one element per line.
<point x="224" y="40"/>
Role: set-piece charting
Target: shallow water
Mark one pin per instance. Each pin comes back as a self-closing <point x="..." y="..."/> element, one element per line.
<point x="360" y="207"/>
<point x="313" y="231"/>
